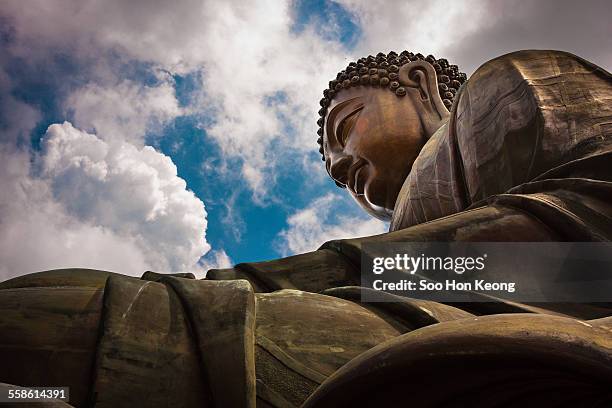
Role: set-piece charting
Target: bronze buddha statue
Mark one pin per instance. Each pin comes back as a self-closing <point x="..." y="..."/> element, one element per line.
<point x="519" y="152"/>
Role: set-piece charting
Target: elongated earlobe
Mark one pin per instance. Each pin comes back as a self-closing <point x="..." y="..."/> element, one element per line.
<point x="383" y="214"/>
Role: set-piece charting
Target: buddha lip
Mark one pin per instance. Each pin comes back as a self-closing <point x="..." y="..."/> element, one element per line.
<point x="352" y="177"/>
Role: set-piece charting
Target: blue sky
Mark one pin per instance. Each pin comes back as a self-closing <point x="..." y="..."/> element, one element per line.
<point x="226" y="95"/>
<point x="258" y="224"/>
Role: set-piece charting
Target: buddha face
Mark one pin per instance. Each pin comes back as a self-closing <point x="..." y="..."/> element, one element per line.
<point x="371" y="140"/>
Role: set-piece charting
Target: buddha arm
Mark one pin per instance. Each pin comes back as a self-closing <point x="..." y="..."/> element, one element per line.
<point x="312" y="272"/>
<point x="337" y="263"/>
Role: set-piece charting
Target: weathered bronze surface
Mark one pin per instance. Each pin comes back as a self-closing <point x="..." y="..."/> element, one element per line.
<point x="524" y="154"/>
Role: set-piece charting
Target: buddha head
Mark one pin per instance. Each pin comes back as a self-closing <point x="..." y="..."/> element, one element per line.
<point x="375" y="118"/>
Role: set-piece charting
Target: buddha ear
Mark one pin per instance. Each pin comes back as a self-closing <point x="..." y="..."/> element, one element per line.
<point x="421" y="76"/>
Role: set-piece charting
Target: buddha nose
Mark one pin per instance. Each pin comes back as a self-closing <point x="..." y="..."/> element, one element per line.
<point x="338" y="169"/>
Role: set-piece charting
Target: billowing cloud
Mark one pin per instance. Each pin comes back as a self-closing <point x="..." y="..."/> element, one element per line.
<point x="98" y="204"/>
<point x="36" y="232"/>
<point x="323" y="220"/>
<point x="131" y="191"/>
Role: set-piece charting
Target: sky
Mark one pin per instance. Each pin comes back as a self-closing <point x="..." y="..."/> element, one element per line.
<point x="181" y="136"/>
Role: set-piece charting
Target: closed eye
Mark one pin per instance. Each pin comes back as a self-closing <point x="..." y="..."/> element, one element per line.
<point x="346" y="126"/>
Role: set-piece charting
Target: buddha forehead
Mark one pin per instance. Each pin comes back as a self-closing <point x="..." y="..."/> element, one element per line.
<point x="371" y="101"/>
<point x="360" y="94"/>
<point x="363" y="96"/>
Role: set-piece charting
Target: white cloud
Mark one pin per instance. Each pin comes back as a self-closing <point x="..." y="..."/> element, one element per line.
<point x="124" y="111"/>
<point x="325" y="219"/>
<point x="263" y="83"/>
<point x="99" y="205"/>
<point x="132" y="191"/>
<point x="37" y="234"/>
<point x="157" y="31"/>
